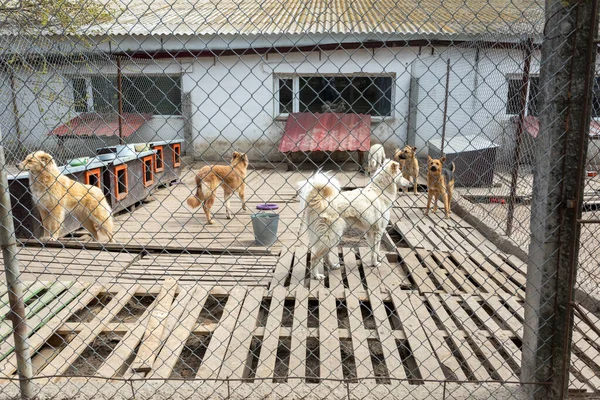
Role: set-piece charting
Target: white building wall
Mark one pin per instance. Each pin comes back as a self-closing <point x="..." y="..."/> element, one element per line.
<point x="234" y="98"/>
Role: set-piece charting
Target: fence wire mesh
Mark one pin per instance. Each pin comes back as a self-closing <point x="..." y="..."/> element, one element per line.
<point x="232" y="200"/>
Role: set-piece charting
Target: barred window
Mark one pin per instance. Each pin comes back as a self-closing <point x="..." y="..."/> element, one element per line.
<point x="158" y="95"/>
<point x="371" y="95"/>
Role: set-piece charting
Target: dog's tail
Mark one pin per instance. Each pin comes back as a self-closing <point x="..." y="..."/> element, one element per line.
<point x="197" y="199"/>
<point x="318" y="191"/>
<point x="453" y="167"/>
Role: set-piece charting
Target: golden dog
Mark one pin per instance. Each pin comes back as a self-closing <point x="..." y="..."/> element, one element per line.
<point x="210" y="177"/>
<point x="410" y="165"/>
<point x="440" y="183"/>
<point x="55" y="195"/>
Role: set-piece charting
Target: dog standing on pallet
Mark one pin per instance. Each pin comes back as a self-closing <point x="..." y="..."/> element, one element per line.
<point x="231" y="177"/>
<point x="376" y="158"/>
<point x="440" y="183"/>
<point x="407" y="157"/>
<point x="55" y="195"/>
<point x="328" y="211"/>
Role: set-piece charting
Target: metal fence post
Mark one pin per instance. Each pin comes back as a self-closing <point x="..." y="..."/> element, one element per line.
<point x="567" y="71"/>
<point x="14" y="285"/>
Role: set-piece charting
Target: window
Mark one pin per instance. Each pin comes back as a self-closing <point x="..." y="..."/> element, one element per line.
<point x="121" y="184"/>
<point x="148" y="170"/>
<point x="92" y="177"/>
<point x="176" y="155"/>
<point x="159" y="166"/>
<point x="342" y="94"/>
<point x="514" y="95"/>
<point x="157" y="95"/>
<point x="80" y="95"/>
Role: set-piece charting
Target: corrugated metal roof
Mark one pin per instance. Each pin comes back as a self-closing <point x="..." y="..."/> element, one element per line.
<point x="326" y="132"/>
<point x="275" y="17"/>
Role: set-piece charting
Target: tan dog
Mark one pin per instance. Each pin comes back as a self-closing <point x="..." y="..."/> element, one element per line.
<point x="55" y="195"/>
<point x="440" y="183"/>
<point x="210" y="177"/>
<point x="410" y="165"/>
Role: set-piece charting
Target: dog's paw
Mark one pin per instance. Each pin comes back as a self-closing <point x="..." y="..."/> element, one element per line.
<point x="318" y="277"/>
<point x="335" y="266"/>
<point x="376" y="264"/>
<point x="228" y="216"/>
<point x="211" y="222"/>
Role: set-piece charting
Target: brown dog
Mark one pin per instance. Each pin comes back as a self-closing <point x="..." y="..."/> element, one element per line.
<point x="210" y="177"/>
<point x="440" y="183"/>
<point x="410" y="165"/>
<point x="55" y="195"/>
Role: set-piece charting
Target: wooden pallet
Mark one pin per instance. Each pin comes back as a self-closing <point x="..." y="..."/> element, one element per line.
<point x="292" y="335"/>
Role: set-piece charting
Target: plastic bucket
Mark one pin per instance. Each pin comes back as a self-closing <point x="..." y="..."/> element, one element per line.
<point x="265" y="228"/>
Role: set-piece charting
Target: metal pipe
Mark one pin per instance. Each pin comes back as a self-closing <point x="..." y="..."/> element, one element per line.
<point x="120" y="96"/>
<point x="14" y="285"/>
<point x="512" y="198"/>
<point x="445" y="105"/>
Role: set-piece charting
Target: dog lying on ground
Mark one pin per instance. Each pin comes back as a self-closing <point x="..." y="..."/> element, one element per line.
<point x="230" y="177"/>
<point x="410" y="165"/>
<point x="376" y="158"/>
<point x="440" y="183"/>
<point x="55" y="195"/>
<point x="328" y="212"/>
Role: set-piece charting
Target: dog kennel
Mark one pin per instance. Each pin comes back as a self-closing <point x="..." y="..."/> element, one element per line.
<point x="474" y="158"/>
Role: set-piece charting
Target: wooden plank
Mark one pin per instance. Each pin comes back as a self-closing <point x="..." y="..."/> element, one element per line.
<point x="180" y="306"/>
<point x="393" y="275"/>
<point x="234" y="363"/>
<point x="592" y="353"/>
<point x="78" y="345"/>
<point x="497" y="332"/>
<point x="48" y="322"/>
<point x="504" y="283"/>
<point x="474" y="272"/>
<point x="416" y="271"/>
<point x="222" y="335"/>
<point x="299" y="268"/>
<point x="457" y="337"/>
<point x="300" y="334"/>
<point x="588" y="375"/>
<point x="152" y="339"/>
<point x="169" y="354"/>
<point x="388" y="342"/>
<point x="458" y="276"/>
<point x="329" y="341"/>
<point x="503" y="313"/>
<point x="435" y="270"/>
<point x="430" y="233"/>
<point x="270" y="340"/>
<point x="28" y="293"/>
<point x="416" y="337"/>
<point x="352" y="272"/>
<point x="37" y="305"/>
<point x="439" y="345"/>
<point x="360" y="344"/>
<point x="481" y="341"/>
<point x="282" y="269"/>
<point x="336" y="282"/>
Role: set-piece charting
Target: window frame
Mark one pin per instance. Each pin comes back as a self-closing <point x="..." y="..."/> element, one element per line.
<point x="118" y="168"/>
<point x="92" y="107"/>
<point x="176" y="155"/>
<point x="296" y="92"/>
<point x="528" y="101"/>
<point x="94" y="172"/>
<point x="148" y="169"/>
<point x="159" y="150"/>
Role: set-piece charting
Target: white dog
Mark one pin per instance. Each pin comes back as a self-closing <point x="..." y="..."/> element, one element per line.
<point x="329" y="211"/>
<point x="376" y="158"/>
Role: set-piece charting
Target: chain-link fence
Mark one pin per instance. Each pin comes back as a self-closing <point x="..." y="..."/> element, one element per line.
<point x="235" y="199"/>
